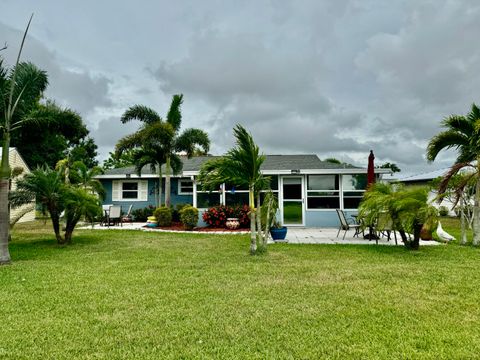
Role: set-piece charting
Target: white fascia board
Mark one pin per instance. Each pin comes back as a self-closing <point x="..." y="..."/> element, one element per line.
<point x="309" y="172"/>
<point x="134" y="176"/>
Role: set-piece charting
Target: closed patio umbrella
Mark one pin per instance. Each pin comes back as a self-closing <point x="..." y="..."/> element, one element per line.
<point x="371" y="169"/>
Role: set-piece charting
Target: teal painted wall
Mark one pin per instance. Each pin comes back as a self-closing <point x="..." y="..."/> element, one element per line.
<point x="175" y="198"/>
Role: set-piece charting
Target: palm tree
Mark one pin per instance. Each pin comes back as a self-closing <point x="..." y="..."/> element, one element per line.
<point x="240" y="166"/>
<point x="84" y="177"/>
<point x="463" y="134"/>
<point x="161" y="141"/>
<point x="20" y="90"/>
<point x="46" y="187"/>
<point x="406" y="208"/>
<point x="49" y="189"/>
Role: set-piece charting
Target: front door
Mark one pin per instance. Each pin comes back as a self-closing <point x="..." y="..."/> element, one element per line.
<point x="292" y="191"/>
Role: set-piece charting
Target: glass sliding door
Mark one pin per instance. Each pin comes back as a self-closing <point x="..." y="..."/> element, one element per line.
<point x="292" y="191"/>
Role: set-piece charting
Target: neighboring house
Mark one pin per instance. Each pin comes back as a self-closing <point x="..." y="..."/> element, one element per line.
<point x="425" y="179"/>
<point x="16" y="161"/>
<point x="309" y="190"/>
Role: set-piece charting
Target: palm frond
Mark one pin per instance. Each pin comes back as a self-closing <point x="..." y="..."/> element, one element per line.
<point x="446" y="140"/>
<point x="174" y="116"/>
<point x="140" y="113"/>
<point x="190" y="139"/>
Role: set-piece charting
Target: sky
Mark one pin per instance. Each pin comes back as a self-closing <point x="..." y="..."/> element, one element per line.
<point x="332" y="78"/>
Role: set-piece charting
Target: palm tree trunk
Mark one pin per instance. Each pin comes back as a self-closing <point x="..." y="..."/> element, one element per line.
<point x="56" y="228"/>
<point x="463" y="241"/>
<point x="260" y="237"/>
<point x="253" y="234"/>
<point x="4" y="204"/>
<point x="167" y="182"/>
<point x="159" y="190"/>
<point x="476" y="208"/>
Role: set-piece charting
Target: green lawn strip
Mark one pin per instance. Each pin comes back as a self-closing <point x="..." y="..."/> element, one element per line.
<point x="129" y="294"/>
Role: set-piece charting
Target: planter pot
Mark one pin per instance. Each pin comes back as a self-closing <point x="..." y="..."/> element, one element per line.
<point x="232" y="223"/>
<point x="278" y="233"/>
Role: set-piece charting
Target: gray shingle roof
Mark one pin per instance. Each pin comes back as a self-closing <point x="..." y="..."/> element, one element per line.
<point x="272" y="163"/>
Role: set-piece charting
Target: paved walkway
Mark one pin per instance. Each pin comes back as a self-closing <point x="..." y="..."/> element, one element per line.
<point x="294" y="235"/>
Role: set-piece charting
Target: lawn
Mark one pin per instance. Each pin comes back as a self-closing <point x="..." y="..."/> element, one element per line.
<point x="129" y="294"/>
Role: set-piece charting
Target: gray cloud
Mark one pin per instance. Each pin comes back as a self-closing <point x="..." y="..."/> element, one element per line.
<point x="336" y="78"/>
<point x="69" y="84"/>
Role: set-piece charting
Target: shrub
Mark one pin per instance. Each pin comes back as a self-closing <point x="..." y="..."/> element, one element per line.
<point x="143" y="214"/>
<point x="176" y="211"/>
<point x="163" y="215"/>
<point x="218" y="215"/>
<point x="189" y="217"/>
<point x="443" y="211"/>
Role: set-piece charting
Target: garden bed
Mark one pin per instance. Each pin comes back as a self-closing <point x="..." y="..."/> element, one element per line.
<point x="178" y="226"/>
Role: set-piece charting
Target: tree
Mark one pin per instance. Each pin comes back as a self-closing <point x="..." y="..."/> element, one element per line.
<point x="463" y="134"/>
<point x="407" y="208"/>
<point x="20" y="89"/>
<point x="48" y="188"/>
<point x="392" y="166"/>
<point x="459" y="189"/>
<point x="60" y="132"/>
<point x="114" y="162"/>
<point x="240" y="166"/>
<point x="161" y="141"/>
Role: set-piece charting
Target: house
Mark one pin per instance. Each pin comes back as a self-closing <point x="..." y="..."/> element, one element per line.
<point x="426" y="179"/>
<point x="16" y="162"/>
<point x="309" y="190"/>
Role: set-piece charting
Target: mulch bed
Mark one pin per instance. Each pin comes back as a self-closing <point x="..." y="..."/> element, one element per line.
<point x="177" y="226"/>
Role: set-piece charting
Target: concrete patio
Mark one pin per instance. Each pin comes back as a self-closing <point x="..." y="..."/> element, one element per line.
<point x="294" y="235"/>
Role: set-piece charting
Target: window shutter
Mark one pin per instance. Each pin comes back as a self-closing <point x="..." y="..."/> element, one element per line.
<point x="143" y="190"/>
<point x="116" y="190"/>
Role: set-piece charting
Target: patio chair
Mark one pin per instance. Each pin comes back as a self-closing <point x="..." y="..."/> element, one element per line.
<point x="114" y="215"/>
<point x="346" y="225"/>
<point x="385" y="226"/>
<point x="128" y="217"/>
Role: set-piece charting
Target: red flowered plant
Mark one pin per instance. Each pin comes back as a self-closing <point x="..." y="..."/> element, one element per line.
<point x="217" y="216"/>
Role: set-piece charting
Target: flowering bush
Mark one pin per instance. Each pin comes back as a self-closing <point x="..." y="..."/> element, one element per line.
<point x="217" y="216"/>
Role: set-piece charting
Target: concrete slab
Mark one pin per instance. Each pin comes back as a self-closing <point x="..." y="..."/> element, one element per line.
<point x="294" y="235"/>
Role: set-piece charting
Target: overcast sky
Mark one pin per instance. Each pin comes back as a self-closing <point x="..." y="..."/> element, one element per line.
<point x="334" y="78"/>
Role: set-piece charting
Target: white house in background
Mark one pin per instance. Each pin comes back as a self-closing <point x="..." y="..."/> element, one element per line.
<point x="425" y="179"/>
<point x="16" y="161"/>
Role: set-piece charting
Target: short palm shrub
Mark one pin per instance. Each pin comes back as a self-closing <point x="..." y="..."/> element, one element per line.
<point x="189" y="217"/>
<point x="163" y="215"/>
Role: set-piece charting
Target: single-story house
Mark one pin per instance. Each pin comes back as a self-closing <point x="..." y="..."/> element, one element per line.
<point x="309" y="190"/>
<point x="16" y="161"/>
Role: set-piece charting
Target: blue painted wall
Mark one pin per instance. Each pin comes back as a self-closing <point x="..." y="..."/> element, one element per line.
<point x="175" y="198"/>
<point x="328" y="218"/>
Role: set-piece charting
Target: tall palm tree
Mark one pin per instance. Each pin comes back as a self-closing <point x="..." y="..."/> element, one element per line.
<point x="161" y="141"/>
<point x="240" y="166"/>
<point x="20" y="90"/>
<point x="463" y="134"/>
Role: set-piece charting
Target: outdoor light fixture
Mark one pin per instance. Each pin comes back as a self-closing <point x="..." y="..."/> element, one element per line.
<point x="296" y="171"/>
<point x="128" y="176"/>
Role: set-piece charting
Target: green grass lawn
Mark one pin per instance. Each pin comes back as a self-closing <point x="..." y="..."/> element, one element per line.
<point x="129" y="294"/>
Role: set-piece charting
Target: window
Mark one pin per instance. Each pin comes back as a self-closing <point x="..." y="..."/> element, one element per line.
<point x="353" y="189"/>
<point x="130" y="190"/>
<point x="323" y="192"/>
<point x="185" y="187"/>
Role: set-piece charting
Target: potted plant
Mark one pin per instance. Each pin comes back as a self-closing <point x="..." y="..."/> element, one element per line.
<point x="278" y="231"/>
<point x="269" y="218"/>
